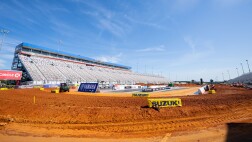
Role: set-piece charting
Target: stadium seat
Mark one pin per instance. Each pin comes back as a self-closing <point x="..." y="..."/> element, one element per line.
<point x="45" y="69"/>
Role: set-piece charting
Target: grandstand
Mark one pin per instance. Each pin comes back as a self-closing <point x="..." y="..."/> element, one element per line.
<point x="245" y="78"/>
<point x="42" y="65"/>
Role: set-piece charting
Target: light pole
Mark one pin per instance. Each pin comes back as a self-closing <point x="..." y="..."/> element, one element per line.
<point x="223" y="77"/>
<point x="242" y="68"/>
<point x="248" y="65"/>
<point x="137" y="67"/>
<point x="4" y="32"/>
<point x="228" y="74"/>
<point x="237" y="71"/>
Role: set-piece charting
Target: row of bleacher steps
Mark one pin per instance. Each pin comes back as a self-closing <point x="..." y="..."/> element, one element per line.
<point x="48" y="69"/>
<point x="33" y="71"/>
<point x="245" y="78"/>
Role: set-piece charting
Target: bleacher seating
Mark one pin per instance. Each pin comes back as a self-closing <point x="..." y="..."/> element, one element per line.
<point x="245" y="78"/>
<point x="48" y="69"/>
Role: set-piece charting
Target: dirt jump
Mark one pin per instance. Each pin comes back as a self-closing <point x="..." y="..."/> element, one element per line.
<point x="34" y="115"/>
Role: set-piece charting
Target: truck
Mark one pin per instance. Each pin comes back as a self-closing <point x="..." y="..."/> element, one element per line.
<point x="64" y="87"/>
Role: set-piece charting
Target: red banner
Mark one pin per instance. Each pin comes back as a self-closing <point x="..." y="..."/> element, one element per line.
<point x="10" y="75"/>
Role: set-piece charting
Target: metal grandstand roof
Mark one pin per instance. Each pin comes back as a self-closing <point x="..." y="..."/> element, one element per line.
<point x="24" y="44"/>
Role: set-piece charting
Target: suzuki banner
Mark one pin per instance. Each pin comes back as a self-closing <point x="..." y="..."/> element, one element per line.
<point x="10" y="75"/>
<point x="165" y="102"/>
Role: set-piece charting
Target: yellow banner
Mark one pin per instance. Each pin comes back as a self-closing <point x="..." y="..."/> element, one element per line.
<point x="54" y="91"/>
<point x="165" y="102"/>
<point x="4" y="89"/>
<point x="140" y="95"/>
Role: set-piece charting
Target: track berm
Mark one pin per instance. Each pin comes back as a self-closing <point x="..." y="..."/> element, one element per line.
<point x="69" y="115"/>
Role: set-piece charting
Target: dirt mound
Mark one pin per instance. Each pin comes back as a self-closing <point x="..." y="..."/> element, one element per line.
<point x="102" y="116"/>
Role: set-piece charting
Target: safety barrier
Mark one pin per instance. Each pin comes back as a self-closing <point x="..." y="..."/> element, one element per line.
<point x="211" y="91"/>
<point x="7" y="86"/>
<point x="4" y="89"/>
<point x="50" y="85"/>
<point x="140" y="95"/>
<point x="202" y="90"/>
<point x="37" y="86"/>
<point x="54" y="91"/>
<point x="88" y="87"/>
<point x="164" y="102"/>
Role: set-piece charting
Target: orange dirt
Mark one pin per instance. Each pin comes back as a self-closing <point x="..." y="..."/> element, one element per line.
<point x="101" y="116"/>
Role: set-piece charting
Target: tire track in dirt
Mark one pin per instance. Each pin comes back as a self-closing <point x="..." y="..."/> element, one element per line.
<point x="99" y="116"/>
<point x="148" y="127"/>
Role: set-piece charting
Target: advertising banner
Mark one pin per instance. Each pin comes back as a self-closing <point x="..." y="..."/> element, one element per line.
<point x="10" y="75"/>
<point x="140" y="95"/>
<point x="88" y="87"/>
<point x="202" y="90"/>
<point x="165" y="102"/>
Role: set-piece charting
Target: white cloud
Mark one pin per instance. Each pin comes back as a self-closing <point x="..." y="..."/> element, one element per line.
<point x="111" y="59"/>
<point x="100" y="10"/>
<point x="113" y="27"/>
<point x="8" y="48"/>
<point x="5" y="60"/>
<point x="201" y="49"/>
<point x="150" y="49"/>
<point x="198" y="45"/>
<point x="113" y="24"/>
<point x="7" y="52"/>
<point x="190" y="43"/>
<point x="48" y="9"/>
<point x="7" y="56"/>
<point x="9" y="45"/>
<point x="107" y="20"/>
<point x="2" y="64"/>
<point x="63" y="28"/>
<point x="151" y="24"/>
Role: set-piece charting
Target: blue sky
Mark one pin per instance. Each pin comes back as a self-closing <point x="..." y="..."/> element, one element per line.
<point x="180" y="39"/>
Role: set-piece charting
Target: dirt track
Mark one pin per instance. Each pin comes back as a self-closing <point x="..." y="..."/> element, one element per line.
<point x="117" y="117"/>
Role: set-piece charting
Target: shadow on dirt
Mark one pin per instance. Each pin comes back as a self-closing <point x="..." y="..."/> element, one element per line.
<point x="144" y="106"/>
<point x="239" y="132"/>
